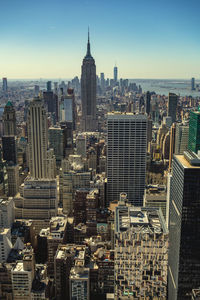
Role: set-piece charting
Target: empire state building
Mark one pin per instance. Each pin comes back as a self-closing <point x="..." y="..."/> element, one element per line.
<point x="88" y="92"/>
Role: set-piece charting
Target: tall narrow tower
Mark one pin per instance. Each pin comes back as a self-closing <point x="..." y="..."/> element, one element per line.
<point x="88" y="92"/>
<point x="172" y="106"/>
<point x="115" y="73"/>
<point x="38" y="199"/>
<point x="9" y="119"/>
<point x="40" y="158"/>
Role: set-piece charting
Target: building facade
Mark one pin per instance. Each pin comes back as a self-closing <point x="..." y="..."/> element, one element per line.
<point x="141" y="253"/>
<point x="126" y="156"/>
<point x="181" y="138"/>
<point x="184" y="234"/>
<point x="194" y="131"/>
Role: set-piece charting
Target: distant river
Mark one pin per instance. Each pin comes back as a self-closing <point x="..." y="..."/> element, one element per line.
<point x="163" y="87"/>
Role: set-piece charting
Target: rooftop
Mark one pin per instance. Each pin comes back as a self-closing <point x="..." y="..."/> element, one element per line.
<point x="189" y="160"/>
<point x="79" y="273"/>
<point x="124" y="115"/>
<point x="139" y="219"/>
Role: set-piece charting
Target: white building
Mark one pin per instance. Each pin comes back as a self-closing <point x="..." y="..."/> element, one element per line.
<point x="126" y="156"/>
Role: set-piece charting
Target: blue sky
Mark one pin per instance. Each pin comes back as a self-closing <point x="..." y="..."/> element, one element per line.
<point x="146" y="38"/>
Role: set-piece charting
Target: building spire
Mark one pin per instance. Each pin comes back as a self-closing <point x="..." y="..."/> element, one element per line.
<point x="88" y="44"/>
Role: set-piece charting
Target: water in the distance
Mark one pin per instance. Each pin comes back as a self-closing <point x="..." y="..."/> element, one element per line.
<point x="164" y="86"/>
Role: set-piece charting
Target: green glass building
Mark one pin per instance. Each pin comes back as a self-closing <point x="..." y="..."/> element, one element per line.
<point x="194" y="131"/>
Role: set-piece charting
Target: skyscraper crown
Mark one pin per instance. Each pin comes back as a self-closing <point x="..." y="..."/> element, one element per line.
<point x="88" y="54"/>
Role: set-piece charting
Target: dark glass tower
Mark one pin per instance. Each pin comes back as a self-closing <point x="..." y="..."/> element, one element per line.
<point x="115" y="72"/>
<point x="184" y="227"/>
<point x="172" y="106"/>
<point x="148" y="102"/>
<point x="88" y="92"/>
<point x="194" y="131"/>
<point x="9" y="137"/>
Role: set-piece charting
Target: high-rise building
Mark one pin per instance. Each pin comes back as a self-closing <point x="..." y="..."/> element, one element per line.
<point x="194" y="131"/>
<point x="149" y="131"/>
<point x="63" y="263"/>
<point x="13" y="179"/>
<point x="172" y="106"/>
<point x="9" y="144"/>
<point x="38" y="193"/>
<point x="88" y="92"/>
<point x="148" y="103"/>
<point x="3" y="176"/>
<point x="126" y="156"/>
<point x="193" y="84"/>
<point x="38" y="140"/>
<point x="141" y="252"/>
<point x="51" y="101"/>
<point x="57" y="143"/>
<point x="181" y="138"/>
<point x="102" y="80"/>
<point x="9" y="137"/>
<point x="115" y="74"/>
<point x="48" y="86"/>
<point x="68" y="108"/>
<point x="68" y="284"/>
<point x="172" y="144"/>
<point x="184" y="234"/>
<point x="36" y="90"/>
<point x="5" y="85"/>
<point x="9" y="119"/>
<point x="71" y="180"/>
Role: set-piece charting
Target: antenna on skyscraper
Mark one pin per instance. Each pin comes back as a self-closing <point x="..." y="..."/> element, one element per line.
<point x="88" y="34"/>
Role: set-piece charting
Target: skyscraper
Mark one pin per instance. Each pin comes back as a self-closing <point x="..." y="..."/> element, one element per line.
<point x="38" y="193"/>
<point x="115" y="71"/>
<point x="9" y="137"/>
<point x="5" y="85"/>
<point x="10" y="148"/>
<point x="172" y="144"/>
<point x="48" y="86"/>
<point x="194" y="131"/>
<point x="68" y="108"/>
<point x="184" y="233"/>
<point x="38" y="141"/>
<point x="172" y="106"/>
<point x="9" y="119"/>
<point x="192" y="84"/>
<point x="88" y="92"/>
<point x="126" y="156"/>
<point x="181" y="139"/>
<point x="148" y="102"/>
<point x="102" y="81"/>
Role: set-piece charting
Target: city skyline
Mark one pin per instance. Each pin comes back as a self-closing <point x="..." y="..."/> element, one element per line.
<point x="146" y="39"/>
